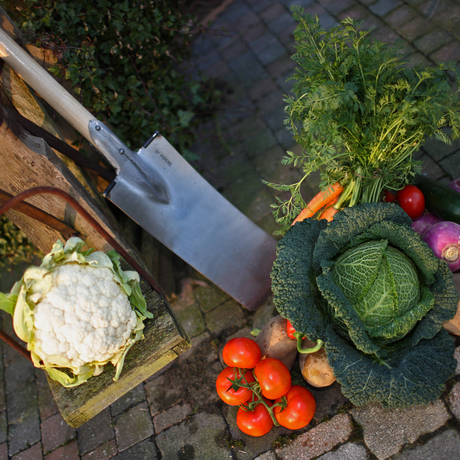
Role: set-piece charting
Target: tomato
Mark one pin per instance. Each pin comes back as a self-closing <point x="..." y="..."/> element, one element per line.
<point x="274" y="378"/>
<point x="411" y="199"/>
<point x="254" y="423"/>
<point x="241" y="352"/>
<point x="290" y="330"/>
<point x="389" y="197"/>
<point x="228" y="394"/>
<point x="300" y="409"/>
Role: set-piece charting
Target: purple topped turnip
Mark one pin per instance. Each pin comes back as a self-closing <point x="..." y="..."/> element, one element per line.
<point x="455" y="185"/>
<point x="444" y="239"/>
<point x="422" y="224"/>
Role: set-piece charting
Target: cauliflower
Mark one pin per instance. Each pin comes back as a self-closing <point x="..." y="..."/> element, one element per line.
<point x="77" y="311"/>
<point x="85" y="316"/>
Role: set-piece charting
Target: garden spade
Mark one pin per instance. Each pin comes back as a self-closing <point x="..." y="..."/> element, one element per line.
<point x="166" y="196"/>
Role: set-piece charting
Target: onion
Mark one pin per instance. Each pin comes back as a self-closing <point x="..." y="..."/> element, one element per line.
<point x="423" y="223"/>
<point x="444" y="239"/>
<point x="455" y="184"/>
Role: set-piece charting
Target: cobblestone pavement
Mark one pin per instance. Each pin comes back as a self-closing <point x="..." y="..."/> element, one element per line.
<point x="176" y="413"/>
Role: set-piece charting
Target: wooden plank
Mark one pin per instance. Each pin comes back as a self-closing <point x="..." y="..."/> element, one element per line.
<point x="27" y="162"/>
<point x="164" y="339"/>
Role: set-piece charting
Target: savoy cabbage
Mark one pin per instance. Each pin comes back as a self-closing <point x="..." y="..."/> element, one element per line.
<point x="376" y="295"/>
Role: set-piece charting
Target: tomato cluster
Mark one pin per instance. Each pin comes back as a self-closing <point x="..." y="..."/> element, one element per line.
<point x="263" y="390"/>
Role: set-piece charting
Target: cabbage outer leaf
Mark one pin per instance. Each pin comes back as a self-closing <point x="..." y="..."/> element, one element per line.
<point x="415" y="376"/>
<point x="293" y="279"/>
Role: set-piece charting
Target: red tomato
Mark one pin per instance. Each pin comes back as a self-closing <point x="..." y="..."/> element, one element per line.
<point x="300" y="409"/>
<point x="290" y="330"/>
<point x="254" y="423"/>
<point x="274" y="378"/>
<point x="388" y="196"/>
<point x="228" y="394"/>
<point x="411" y="199"/>
<point x="241" y="352"/>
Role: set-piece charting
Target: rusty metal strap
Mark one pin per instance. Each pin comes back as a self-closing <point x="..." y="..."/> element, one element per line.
<point x="14" y="201"/>
<point x="12" y="343"/>
<point x="42" y="216"/>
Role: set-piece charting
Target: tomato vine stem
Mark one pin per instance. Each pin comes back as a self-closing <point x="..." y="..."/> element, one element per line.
<point x="317" y="347"/>
<point x="257" y="398"/>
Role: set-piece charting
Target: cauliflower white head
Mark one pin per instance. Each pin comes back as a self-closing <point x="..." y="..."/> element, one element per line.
<point x="85" y="317"/>
<point x="78" y="311"/>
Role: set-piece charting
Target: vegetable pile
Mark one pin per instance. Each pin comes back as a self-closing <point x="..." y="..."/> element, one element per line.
<point x="372" y="291"/>
<point x="365" y="267"/>
<point x="359" y="115"/>
<point x="77" y="311"/>
<point x="263" y="390"/>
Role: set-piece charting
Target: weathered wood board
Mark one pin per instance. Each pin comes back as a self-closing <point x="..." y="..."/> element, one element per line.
<point x="27" y="162"/>
<point x="164" y="340"/>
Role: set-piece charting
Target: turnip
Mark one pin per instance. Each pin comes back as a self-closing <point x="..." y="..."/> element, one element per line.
<point x="455" y="185"/>
<point x="444" y="239"/>
<point x="422" y="224"/>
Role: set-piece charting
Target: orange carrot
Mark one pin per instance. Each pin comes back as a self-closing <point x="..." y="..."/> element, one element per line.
<point x="321" y="199"/>
<point x="330" y="203"/>
<point x="329" y="213"/>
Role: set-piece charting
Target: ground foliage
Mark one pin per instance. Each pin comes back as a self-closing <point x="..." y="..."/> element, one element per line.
<point x="124" y="59"/>
<point x="15" y="247"/>
<point x="359" y="113"/>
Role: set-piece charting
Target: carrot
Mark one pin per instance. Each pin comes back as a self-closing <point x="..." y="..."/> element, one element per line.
<point x="330" y="203"/>
<point x="329" y="213"/>
<point x="321" y="199"/>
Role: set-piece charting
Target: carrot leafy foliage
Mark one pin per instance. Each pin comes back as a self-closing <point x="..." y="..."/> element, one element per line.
<point x="359" y="113"/>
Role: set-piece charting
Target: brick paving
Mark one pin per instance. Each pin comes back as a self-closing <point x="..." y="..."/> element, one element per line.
<point x="175" y="414"/>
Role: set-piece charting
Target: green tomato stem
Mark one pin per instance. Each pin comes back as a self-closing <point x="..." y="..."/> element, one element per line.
<point x="241" y="381"/>
<point x="317" y="347"/>
<point x="257" y="398"/>
<point x="254" y="403"/>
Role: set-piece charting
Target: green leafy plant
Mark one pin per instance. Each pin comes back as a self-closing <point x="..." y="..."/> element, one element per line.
<point x="359" y="114"/>
<point x="375" y="294"/>
<point x="15" y="247"/>
<point x="125" y="61"/>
